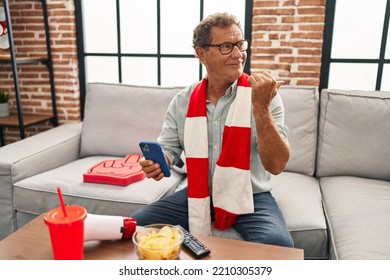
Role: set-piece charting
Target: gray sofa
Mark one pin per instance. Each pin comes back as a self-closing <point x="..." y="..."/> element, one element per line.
<point x="334" y="192"/>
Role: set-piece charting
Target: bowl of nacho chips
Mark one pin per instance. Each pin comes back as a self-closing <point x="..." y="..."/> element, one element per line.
<point x="158" y="242"/>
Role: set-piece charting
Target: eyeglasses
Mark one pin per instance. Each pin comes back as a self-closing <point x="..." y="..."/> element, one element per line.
<point x="227" y="48"/>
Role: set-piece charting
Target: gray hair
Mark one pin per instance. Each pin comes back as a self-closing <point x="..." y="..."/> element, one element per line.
<point x="201" y="35"/>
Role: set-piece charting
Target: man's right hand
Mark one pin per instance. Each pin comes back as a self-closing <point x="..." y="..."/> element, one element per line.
<point x="152" y="169"/>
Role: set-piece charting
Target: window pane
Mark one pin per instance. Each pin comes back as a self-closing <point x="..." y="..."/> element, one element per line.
<point x="178" y="19"/>
<point x="179" y="71"/>
<point x="139" y="71"/>
<point x="102" y="69"/>
<point x="352" y="76"/>
<point x="234" y="7"/>
<point x="358" y="27"/>
<point x="100" y="32"/>
<point x="138" y="26"/>
<point x="385" y="86"/>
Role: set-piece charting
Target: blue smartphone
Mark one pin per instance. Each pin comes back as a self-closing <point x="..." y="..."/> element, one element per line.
<point x="153" y="151"/>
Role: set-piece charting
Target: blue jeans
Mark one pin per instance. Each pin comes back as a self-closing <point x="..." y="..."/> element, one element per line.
<point x="265" y="225"/>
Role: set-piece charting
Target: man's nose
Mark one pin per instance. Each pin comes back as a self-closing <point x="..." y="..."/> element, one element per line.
<point x="236" y="52"/>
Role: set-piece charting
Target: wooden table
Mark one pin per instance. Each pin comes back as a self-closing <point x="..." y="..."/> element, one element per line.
<point x="32" y="242"/>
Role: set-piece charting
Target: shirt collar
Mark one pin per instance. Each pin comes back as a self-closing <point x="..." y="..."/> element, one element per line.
<point x="232" y="89"/>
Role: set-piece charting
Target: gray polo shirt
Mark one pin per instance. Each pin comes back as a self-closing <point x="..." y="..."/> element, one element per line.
<point x="171" y="137"/>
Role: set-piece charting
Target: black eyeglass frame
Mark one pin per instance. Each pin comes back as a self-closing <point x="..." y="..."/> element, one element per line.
<point x="232" y="46"/>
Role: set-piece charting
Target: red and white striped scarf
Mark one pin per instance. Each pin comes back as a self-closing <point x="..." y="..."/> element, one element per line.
<point x="232" y="190"/>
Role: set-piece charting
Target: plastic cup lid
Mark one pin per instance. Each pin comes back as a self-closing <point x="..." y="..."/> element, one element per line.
<point x="74" y="213"/>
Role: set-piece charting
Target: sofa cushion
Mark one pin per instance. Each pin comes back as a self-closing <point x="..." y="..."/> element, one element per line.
<point x="301" y="114"/>
<point x="354" y="134"/>
<point x="117" y="117"/>
<point x="358" y="214"/>
<point x="37" y="194"/>
<point x="299" y="198"/>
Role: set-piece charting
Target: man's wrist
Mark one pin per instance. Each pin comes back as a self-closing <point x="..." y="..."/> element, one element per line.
<point x="262" y="114"/>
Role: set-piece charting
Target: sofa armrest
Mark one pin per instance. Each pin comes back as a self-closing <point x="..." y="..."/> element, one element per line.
<point x="31" y="156"/>
<point x="41" y="152"/>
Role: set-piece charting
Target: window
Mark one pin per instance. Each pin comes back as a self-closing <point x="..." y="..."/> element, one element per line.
<point x="356" y="51"/>
<point x="146" y="42"/>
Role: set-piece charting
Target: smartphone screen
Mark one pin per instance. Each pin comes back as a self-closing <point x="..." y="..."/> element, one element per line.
<point x="153" y="151"/>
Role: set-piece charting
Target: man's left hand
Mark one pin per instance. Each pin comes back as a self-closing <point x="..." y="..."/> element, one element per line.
<point x="264" y="87"/>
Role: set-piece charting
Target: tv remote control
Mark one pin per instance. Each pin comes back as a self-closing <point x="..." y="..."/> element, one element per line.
<point x="197" y="248"/>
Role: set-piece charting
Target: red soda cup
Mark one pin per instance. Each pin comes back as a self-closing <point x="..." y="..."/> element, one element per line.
<point x="67" y="232"/>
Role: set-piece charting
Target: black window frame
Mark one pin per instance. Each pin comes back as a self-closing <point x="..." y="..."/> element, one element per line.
<point x="82" y="54"/>
<point x="327" y="47"/>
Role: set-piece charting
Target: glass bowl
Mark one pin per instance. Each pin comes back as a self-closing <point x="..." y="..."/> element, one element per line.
<point x="158" y="242"/>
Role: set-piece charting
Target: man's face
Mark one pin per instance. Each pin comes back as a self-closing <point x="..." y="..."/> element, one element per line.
<point x="224" y="68"/>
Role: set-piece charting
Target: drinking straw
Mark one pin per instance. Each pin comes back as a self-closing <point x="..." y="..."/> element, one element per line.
<point x="61" y="201"/>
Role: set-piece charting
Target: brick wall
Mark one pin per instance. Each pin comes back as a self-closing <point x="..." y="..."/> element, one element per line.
<point x="29" y="38"/>
<point x="286" y="40"/>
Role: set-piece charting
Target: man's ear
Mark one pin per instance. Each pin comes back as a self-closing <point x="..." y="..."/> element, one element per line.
<point x="200" y="54"/>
